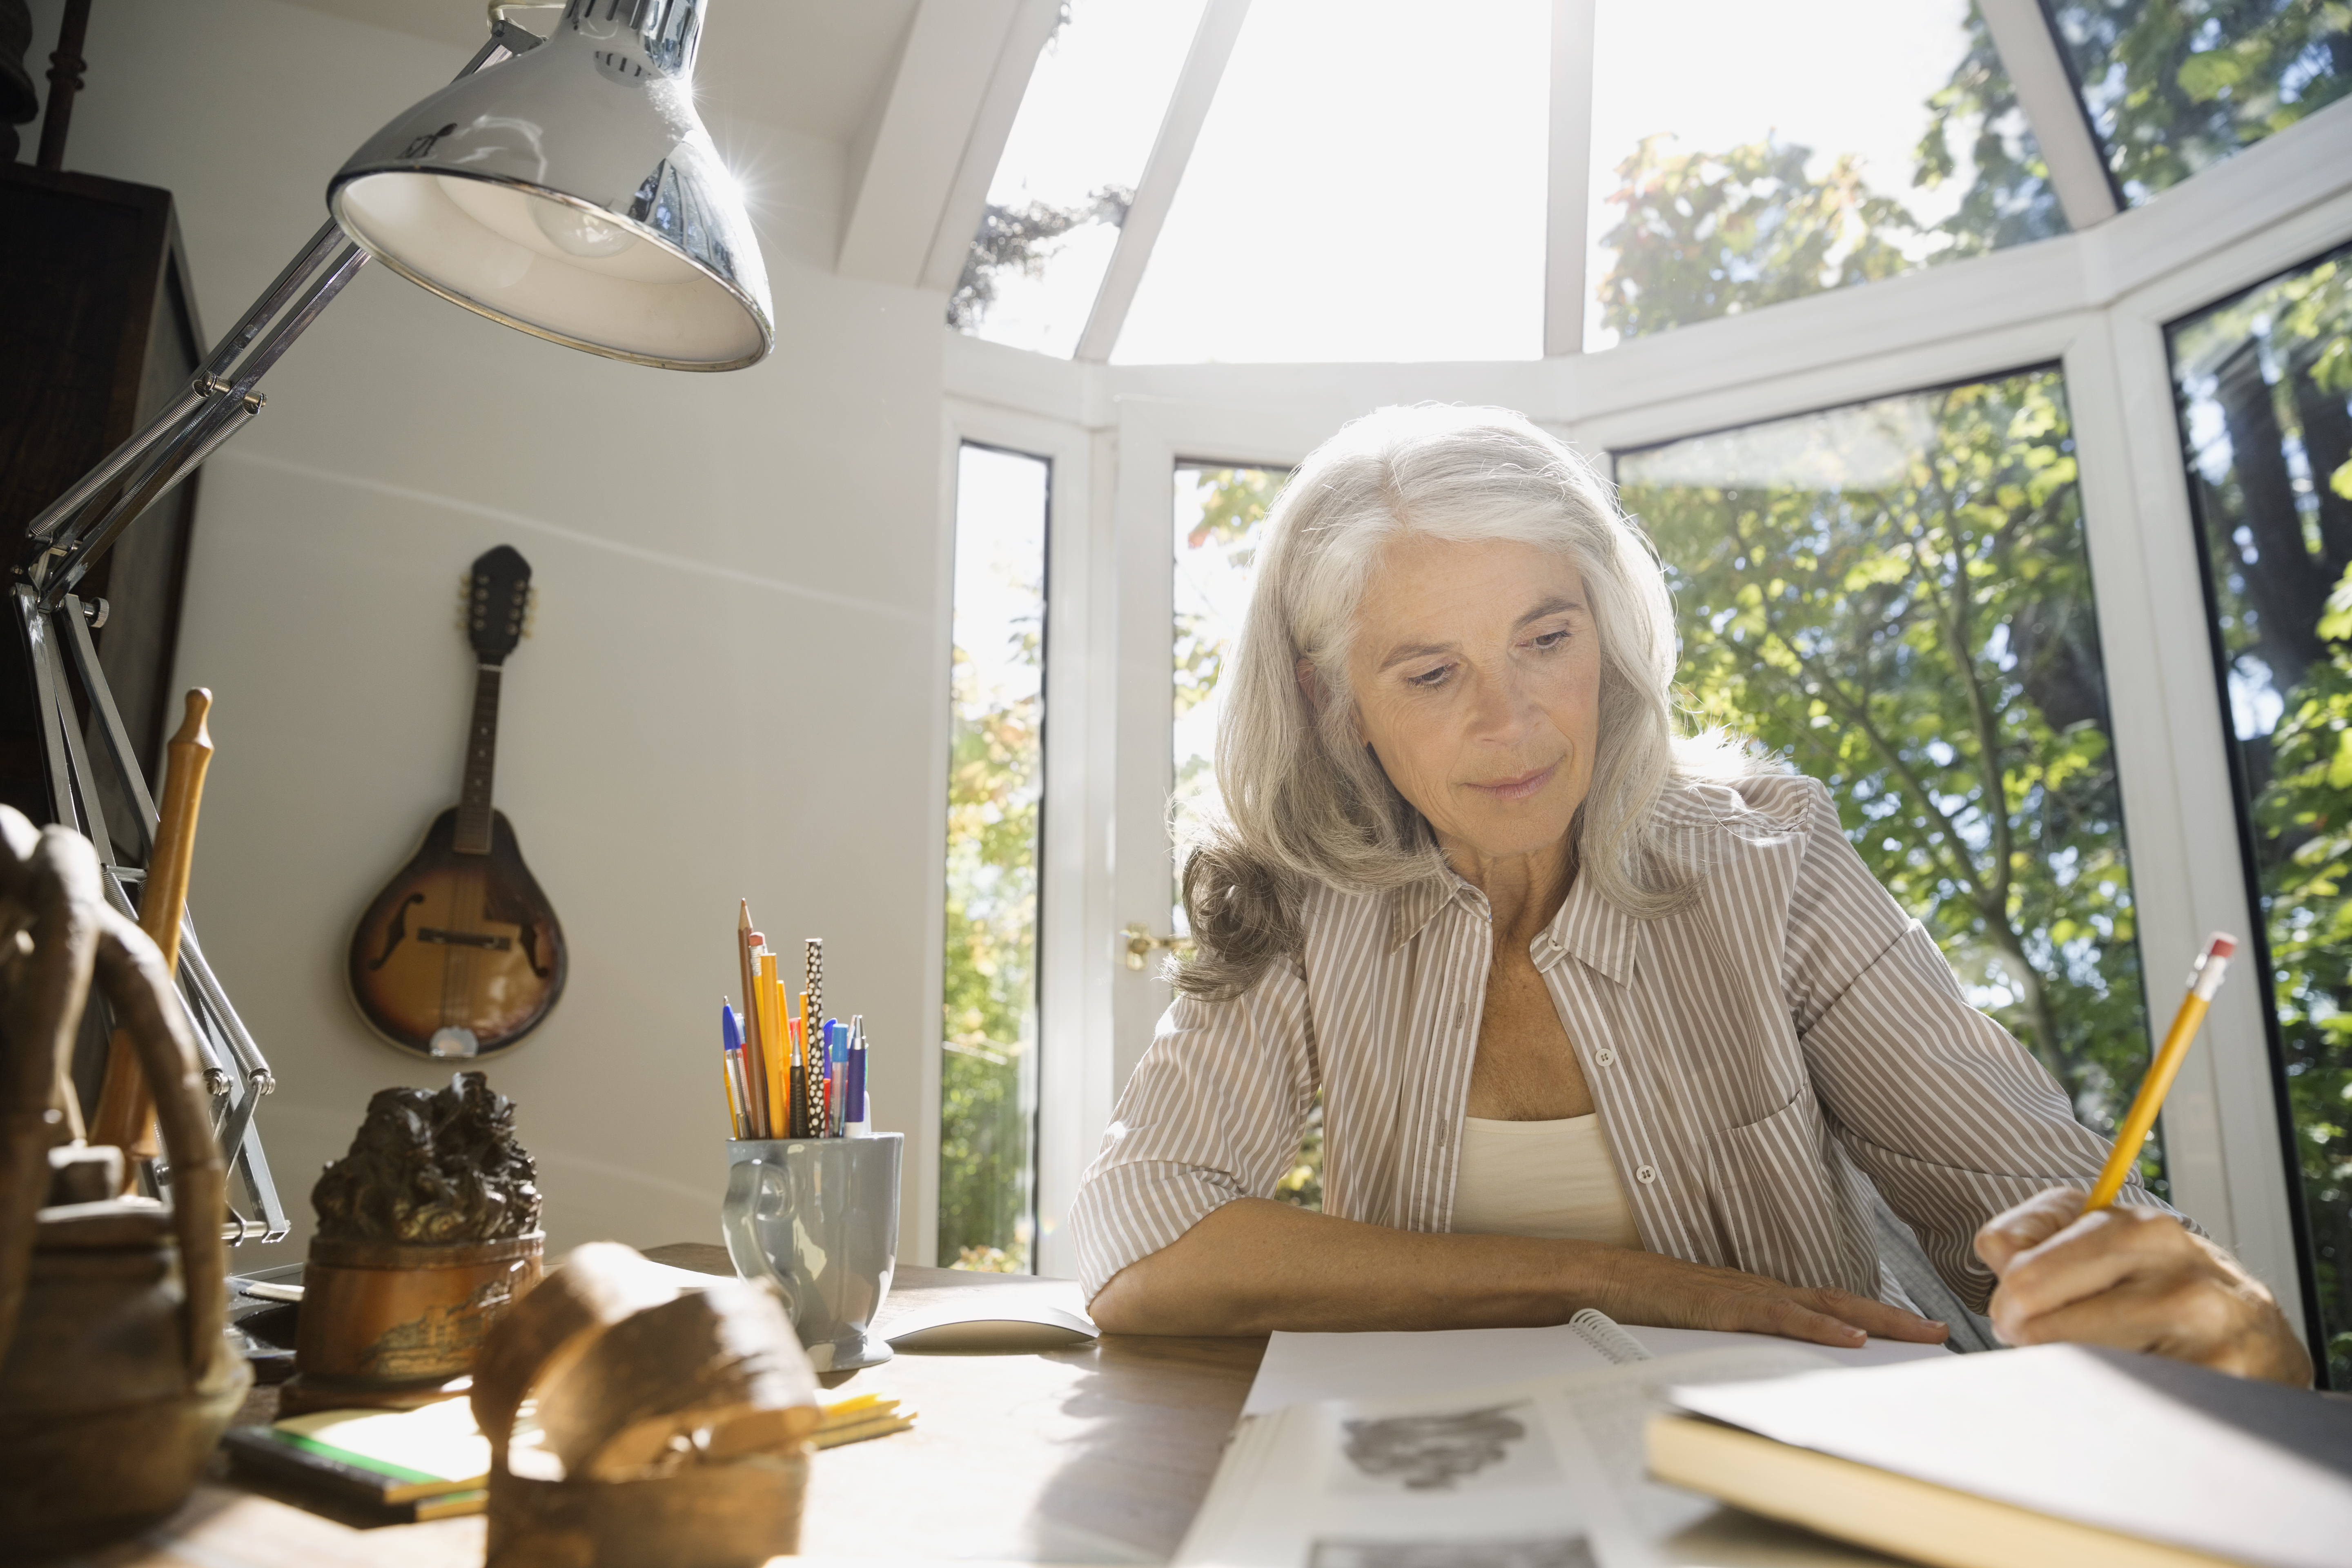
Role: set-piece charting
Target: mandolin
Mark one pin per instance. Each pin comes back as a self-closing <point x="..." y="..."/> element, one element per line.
<point x="461" y="955"/>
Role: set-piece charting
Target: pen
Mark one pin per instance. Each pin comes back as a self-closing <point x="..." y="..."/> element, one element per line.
<point x="729" y="1044"/>
<point x="860" y="1120"/>
<point x="798" y="1087"/>
<point x="748" y="1088"/>
<point x="2203" y="981"/>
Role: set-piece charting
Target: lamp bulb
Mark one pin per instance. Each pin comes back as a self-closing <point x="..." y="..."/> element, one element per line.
<point x="580" y="232"/>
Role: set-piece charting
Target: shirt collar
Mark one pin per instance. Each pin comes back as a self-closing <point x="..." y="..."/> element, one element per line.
<point x="1593" y="931"/>
<point x="1588" y="928"/>
<point x="1415" y="905"/>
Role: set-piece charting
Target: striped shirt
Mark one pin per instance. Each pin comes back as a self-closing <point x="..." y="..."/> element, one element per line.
<point x="1788" y="1033"/>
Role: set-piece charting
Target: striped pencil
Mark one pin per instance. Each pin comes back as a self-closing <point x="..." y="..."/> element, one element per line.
<point x="812" y="1022"/>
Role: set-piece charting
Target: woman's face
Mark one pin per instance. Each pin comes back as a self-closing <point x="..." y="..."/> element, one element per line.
<point x="1476" y="671"/>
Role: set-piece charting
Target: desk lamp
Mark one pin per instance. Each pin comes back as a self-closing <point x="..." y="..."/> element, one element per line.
<point x="565" y="186"/>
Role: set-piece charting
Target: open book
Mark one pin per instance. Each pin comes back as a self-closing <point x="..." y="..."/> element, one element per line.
<point x="1546" y="1472"/>
<point x="2072" y="1453"/>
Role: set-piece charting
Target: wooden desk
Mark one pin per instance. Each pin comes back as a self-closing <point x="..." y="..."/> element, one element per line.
<point x="1096" y="1454"/>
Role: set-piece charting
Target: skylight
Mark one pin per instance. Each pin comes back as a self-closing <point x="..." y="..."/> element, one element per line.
<point x="1368" y="186"/>
<point x="1069" y="170"/>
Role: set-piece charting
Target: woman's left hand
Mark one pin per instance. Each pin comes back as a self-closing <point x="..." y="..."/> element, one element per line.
<point x="2135" y="1278"/>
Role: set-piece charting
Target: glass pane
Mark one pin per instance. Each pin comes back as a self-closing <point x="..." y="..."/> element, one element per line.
<point x="2173" y="86"/>
<point x="1218" y="515"/>
<point x="1368" y="186"/>
<point x="1069" y="169"/>
<point x="1808" y="145"/>
<point x="1894" y="598"/>
<point x="2265" y="387"/>
<point x="996" y="776"/>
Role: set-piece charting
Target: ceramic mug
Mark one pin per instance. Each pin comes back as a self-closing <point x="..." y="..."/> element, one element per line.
<point x="818" y="1218"/>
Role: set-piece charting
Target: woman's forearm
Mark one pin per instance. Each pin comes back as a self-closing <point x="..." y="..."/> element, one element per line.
<point x="1255" y="1265"/>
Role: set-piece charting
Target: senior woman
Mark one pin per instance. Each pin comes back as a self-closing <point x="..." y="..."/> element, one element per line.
<point x="1600" y="1017"/>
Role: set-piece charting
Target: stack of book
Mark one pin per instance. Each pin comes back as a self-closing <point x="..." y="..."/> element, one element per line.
<point x="402" y="1466"/>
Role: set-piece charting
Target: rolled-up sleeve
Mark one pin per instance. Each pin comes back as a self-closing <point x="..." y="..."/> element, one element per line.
<point x="1212" y="1113"/>
<point x="1944" y="1109"/>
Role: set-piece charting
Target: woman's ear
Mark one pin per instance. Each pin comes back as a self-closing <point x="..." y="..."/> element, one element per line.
<point x="1310" y="683"/>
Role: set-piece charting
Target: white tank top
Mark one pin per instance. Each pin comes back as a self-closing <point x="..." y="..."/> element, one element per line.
<point x="1541" y="1178"/>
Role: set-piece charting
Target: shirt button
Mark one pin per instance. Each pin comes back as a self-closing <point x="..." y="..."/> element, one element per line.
<point x="1646" y="1174"/>
<point x="1605" y="1056"/>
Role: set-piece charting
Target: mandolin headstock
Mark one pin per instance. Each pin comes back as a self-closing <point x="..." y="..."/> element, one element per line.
<point x="498" y="602"/>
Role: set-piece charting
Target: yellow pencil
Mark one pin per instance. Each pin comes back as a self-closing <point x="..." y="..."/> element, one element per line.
<point x="775" y="1050"/>
<point x="2203" y="981"/>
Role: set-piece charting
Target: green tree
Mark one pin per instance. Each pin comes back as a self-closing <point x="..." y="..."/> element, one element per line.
<point x="2272" y="374"/>
<point x="1021" y="239"/>
<point x="1702" y="235"/>
<point x="2009" y="200"/>
<point x="1923" y="643"/>
<point x="2179" y="85"/>
<point x="1233" y="502"/>
<point x="993" y="776"/>
<point x="2305" y="821"/>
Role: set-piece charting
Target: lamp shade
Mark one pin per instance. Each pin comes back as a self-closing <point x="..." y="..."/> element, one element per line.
<point x="573" y="191"/>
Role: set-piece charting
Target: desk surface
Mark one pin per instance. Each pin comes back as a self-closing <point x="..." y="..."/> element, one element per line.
<point x="1100" y="1453"/>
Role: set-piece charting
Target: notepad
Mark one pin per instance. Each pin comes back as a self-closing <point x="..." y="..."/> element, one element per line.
<point x="2058" y="1454"/>
<point x="427" y="1463"/>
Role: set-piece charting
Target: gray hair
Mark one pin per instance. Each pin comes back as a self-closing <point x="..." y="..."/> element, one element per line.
<point x="1305" y="802"/>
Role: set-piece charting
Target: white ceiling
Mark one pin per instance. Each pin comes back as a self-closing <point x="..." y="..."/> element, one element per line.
<point x="811" y="66"/>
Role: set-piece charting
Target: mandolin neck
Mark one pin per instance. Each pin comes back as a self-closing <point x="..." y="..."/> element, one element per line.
<point x="481" y="762"/>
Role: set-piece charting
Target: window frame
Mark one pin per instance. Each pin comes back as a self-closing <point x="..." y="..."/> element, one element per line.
<point x="2097" y="301"/>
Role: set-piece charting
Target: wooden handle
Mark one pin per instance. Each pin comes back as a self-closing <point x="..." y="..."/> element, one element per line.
<point x="126" y="1105"/>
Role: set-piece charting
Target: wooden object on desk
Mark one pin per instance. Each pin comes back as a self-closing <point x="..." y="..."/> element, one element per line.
<point x="674" y="1432"/>
<point x="1103" y="1450"/>
<point x="115" y="1378"/>
<point x="126" y="1105"/>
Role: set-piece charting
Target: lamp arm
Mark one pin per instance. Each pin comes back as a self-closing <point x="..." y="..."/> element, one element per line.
<point x="70" y="533"/>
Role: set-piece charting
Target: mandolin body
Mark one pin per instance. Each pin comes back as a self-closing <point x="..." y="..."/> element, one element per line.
<point x="461" y="953"/>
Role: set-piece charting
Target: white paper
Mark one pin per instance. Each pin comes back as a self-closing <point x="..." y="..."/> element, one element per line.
<point x="1544" y="1472"/>
<point x="1299" y="1368"/>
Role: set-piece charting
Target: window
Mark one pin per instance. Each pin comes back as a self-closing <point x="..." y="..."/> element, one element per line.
<point x="1894" y="597"/>
<point x="1806" y="146"/>
<point x="988" y="1071"/>
<point x="1368" y="186"/>
<point x="2263" y="382"/>
<point x="1069" y="170"/>
<point x="2174" y="86"/>
<point x="1219" y="514"/>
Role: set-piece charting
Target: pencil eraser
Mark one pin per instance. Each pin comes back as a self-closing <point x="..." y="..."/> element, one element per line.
<point x="2221" y="946"/>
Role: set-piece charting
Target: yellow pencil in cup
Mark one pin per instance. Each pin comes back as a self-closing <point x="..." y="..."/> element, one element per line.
<point x="2203" y="981"/>
<point x="777" y="1060"/>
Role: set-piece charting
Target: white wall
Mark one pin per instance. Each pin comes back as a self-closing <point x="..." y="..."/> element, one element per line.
<point x="735" y="687"/>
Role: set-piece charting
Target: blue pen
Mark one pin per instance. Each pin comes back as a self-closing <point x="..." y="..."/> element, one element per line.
<point x="727" y="1070"/>
<point x="750" y="1105"/>
<point x="840" y="1041"/>
<point x="856" y="1114"/>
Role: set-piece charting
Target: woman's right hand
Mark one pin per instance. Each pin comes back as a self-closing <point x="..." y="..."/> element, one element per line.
<point x="1669" y="1294"/>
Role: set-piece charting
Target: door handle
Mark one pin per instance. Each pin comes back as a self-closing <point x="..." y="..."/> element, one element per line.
<point x="1141" y="942"/>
